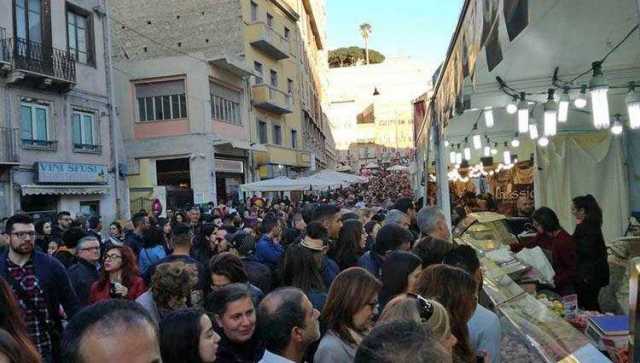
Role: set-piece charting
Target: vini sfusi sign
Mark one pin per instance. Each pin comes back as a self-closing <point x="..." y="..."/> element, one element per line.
<point x="70" y="173"/>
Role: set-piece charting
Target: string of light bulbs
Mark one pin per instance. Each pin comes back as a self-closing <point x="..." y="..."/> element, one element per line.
<point x="556" y="110"/>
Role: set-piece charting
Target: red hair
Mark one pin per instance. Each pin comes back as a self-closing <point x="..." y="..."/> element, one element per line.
<point x="129" y="267"/>
<point x="11" y="321"/>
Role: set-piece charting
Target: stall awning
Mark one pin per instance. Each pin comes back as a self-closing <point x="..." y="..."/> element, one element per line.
<point x="240" y="144"/>
<point x="63" y="189"/>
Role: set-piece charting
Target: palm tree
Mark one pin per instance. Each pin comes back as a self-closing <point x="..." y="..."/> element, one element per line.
<point x="365" y="31"/>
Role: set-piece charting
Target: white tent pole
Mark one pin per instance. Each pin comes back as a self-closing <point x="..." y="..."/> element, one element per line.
<point x="444" y="201"/>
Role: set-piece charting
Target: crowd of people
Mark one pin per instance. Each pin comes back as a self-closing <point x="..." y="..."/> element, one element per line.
<point x="325" y="279"/>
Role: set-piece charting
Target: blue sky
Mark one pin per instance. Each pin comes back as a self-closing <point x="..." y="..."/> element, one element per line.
<point x="420" y="29"/>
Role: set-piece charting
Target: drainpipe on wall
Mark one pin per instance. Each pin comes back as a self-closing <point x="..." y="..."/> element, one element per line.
<point x="113" y="117"/>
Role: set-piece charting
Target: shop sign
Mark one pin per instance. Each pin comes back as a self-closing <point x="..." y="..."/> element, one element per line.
<point x="70" y="173"/>
<point x="229" y="166"/>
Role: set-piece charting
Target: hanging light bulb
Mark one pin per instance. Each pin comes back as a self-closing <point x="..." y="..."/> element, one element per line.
<point x="599" y="98"/>
<point x="458" y="158"/>
<point x="452" y="157"/>
<point x="477" y="142"/>
<point x="512" y="107"/>
<point x="563" y="106"/>
<point x="467" y="149"/>
<point x="581" y="99"/>
<point x="523" y="114"/>
<point x="494" y="150"/>
<point x="550" y="115"/>
<point x="467" y="153"/>
<point x="488" y="117"/>
<point x="616" y="128"/>
<point x="507" y="157"/>
<point x="515" y="142"/>
<point x="533" y="131"/>
<point x="544" y="141"/>
<point x="633" y="106"/>
<point x="446" y="143"/>
<point x="487" y="151"/>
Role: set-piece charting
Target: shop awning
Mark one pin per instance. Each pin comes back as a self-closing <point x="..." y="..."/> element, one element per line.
<point x="240" y="144"/>
<point x="63" y="189"/>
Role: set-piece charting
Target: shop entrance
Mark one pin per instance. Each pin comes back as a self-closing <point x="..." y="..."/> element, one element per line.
<point x="175" y="174"/>
<point x="228" y="186"/>
<point x="40" y="205"/>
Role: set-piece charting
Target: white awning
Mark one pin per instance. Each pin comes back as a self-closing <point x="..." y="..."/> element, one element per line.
<point x="63" y="189"/>
<point x="240" y="144"/>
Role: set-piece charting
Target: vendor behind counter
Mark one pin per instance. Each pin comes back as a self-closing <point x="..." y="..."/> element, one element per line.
<point x="551" y="237"/>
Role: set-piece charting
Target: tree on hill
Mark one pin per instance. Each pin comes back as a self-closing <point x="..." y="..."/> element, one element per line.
<point x="351" y="56"/>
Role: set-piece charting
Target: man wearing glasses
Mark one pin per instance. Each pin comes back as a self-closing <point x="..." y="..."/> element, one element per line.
<point x="85" y="272"/>
<point x="41" y="285"/>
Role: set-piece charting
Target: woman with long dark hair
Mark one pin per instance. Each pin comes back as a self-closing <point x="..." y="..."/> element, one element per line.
<point x="592" y="266"/>
<point x="43" y="234"/>
<point x="152" y="250"/>
<point x="11" y="321"/>
<point x="120" y="277"/>
<point x="210" y="242"/>
<point x="552" y="237"/>
<point x="457" y="291"/>
<point x="301" y="268"/>
<point x="116" y="234"/>
<point x="350" y="245"/>
<point x="188" y="336"/>
<point x="348" y="315"/>
<point x="400" y="272"/>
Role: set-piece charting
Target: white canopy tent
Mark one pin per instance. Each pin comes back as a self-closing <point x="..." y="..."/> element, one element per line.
<point x="398" y="168"/>
<point x="331" y="175"/>
<point x="279" y="184"/>
<point x="322" y="180"/>
<point x="580" y="159"/>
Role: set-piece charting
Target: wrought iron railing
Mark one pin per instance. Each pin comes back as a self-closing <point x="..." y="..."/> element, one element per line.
<point x="8" y="145"/>
<point x="87" y="148"/>
<point x="38" y="58"/>
<point x="44" y="145"/>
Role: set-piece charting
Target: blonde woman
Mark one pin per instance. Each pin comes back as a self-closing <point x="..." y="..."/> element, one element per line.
<point x="429" y="312"/>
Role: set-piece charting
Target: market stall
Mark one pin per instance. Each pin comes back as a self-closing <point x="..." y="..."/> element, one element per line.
<point x="530" y="321"/>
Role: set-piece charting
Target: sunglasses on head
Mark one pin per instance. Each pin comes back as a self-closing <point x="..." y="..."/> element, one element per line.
<point x="425" y="307"/>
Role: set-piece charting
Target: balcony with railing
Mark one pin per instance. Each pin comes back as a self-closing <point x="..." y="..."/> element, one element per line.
<point x="271" y="99"/>
<point x="87" y="148"/>
<point x="8" y="146"/>
<point x="264" y="38"/>
<point x="36" y="64"/>
<point x="40" y="145"/>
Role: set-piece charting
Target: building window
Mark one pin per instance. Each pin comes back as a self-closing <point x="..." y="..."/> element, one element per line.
<point x="79" y="37"/>
<point x="161" y="100"/>
<point x="286" y="33"/>
<point x="269" y="20"/>
<point x="34" y="122"/>
<point x="294" y="139"/>
<point x="84" y="131"/>
<point x="262" y="132"/>
<point x="225" y="104"/>
<point x="28" y="21"/>
<point x="289" y="86"/>
<point x="274" y="78"/>
<point x="254" y="11"/>
<point x="257" y="66"/>
<point x="277" y="134"/>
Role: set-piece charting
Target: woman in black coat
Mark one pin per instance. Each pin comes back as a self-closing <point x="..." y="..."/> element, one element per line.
<point x="592" y="265"/>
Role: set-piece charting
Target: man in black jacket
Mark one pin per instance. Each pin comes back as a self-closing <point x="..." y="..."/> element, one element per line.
<point x="85" y="272"/>
<point x="134" y="239"/>
<point x="63" y="223"/>
<point x="41" y="285"/>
